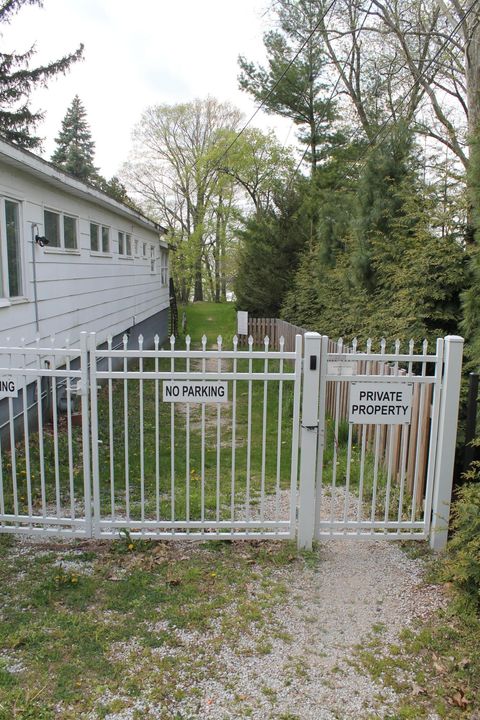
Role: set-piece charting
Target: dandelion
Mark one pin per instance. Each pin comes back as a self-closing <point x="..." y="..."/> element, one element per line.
<point x="131" y="546"/>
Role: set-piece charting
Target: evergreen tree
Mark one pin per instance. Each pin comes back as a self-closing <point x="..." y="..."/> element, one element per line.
<point x="75" y="147"/>
<point x="268" y="256"/>
<point x="17" y="80"/>
<point x="380" y="200"/>
<point x="292" y="84"/>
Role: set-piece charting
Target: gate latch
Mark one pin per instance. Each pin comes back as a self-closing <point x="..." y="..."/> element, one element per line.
<point x="310" y="427"/>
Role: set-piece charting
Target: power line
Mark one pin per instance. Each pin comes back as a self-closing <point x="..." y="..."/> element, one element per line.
<point x="417" y="81"/>
<point x="332" y="95"/>
<point x="278" y="81"/>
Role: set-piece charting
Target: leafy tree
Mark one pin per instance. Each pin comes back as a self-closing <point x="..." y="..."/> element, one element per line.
<point x="75" y="150"/>
<point x="259" y="165"/>
<point x="17" y="80"/>
<point x="294" y="86"/>
<point x="177" y="169"/>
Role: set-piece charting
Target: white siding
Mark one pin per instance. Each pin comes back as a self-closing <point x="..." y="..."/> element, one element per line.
<point x="77" y="289"/>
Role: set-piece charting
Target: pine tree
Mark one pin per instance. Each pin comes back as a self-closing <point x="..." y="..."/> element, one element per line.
<point x="75" y="147"/>
<point x="292" y="84"/>
<point x="17" y="80"/>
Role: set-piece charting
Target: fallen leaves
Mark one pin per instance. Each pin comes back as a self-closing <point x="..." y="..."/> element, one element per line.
<point x="458" y="699"/>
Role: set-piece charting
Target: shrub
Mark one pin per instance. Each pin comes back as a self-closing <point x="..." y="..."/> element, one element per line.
<point x="463" y="560"/>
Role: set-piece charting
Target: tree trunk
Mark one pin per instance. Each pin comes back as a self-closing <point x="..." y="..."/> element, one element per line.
<point x="198" y="286"/>
<point x="216" y="249"/>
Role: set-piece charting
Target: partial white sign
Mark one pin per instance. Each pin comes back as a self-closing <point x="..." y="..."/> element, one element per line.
<point x="193" y="391"/>
<point x="342" y="367"/>
<point x="242" y="322"/>
<point x="380" y="403"/>
<point x="8" y="387"/>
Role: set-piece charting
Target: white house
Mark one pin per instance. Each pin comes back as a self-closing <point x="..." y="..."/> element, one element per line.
<point x="73" y="259"/>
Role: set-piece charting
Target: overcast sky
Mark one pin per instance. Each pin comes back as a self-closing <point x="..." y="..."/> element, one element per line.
<point x="137" y="54"/>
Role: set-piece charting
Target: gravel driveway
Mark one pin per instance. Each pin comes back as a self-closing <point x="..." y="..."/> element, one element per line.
<point x="358" y="588"/>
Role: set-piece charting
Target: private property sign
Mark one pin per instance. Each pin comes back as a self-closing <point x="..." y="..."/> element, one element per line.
<point x="380" y="403"/>
<point x="195" y="391"/>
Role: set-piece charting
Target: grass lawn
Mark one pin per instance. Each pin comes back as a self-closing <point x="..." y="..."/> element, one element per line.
<point x="95" y="626"/>
<point x="210" y="319"/>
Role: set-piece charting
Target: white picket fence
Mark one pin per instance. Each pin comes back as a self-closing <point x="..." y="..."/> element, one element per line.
<point x="92" y="446"/>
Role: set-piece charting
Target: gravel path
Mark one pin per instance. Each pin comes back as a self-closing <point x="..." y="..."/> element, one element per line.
<point x="356" y="589"/>
<point x="307" y="672"/>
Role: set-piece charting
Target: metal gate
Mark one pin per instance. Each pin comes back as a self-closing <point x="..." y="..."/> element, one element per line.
<point x="380" y="427"/>
<point x="123" y="458"/>
<point x="206" y="443"/>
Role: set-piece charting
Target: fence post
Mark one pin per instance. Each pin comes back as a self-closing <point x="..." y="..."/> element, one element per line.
<point x="94" y="431"/>
<point x="308" y="440"/>
<point x="469" y="451"/>
<point x="321" y="430"/>
<point x="84" y="392"/>
<point x="447" y="435"/>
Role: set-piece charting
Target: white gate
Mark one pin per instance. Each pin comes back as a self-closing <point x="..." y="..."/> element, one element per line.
<point x="206" y="443"/>
<point x="194" y="467"/>
<point x="381" y="430"/>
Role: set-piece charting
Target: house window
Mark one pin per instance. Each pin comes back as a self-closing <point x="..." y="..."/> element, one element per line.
<point x="99" y="238"/>
<point x="60" y="230"/>
<point x="70" y="232"/>
<point x="11" y="281"/>
<point x="124" y="244"/>
<point x="94" y="237"/>
<point x="105" y="239"/>
<point x="144" y="251"/>
<point x="52" y="228"/>
<point x="152" y="259"/>
<point x="163" y="268"/>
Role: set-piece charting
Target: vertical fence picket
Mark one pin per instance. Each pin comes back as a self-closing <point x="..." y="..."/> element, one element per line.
<point x="172" y="437"/>
<point x="111" y="441"/>
<point x="85" y="409"/>
<point x="219" y="440"/>
<point x="279" y="433"/>
<point x="156" y="341"/>
<point x="187" y="438"/>
<point x="141" y="430"/>
<point x="94" y="435"/>
<point x="234" y="430"/>
<point x="264" y="432"/>
<point x="249" y="429"/>
<point x="126" y="430"/>
<point x="69" y="434"/>
<point x="202" y="451"/>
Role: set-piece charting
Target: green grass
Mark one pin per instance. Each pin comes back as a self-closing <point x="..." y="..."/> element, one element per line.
<point x="210" y="319"/>
<point x="67" y="637"/>
<point x="435" y="667"/>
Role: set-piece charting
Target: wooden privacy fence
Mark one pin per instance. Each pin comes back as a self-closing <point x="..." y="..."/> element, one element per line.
<point x="390" y="440"/>
<point x="274" y="329"/>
